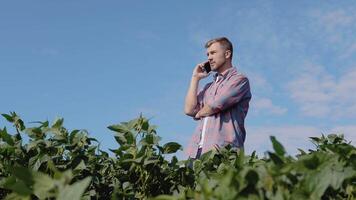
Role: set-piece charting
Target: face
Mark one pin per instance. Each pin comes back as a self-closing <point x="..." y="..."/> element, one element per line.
<point x="217" y="56"/>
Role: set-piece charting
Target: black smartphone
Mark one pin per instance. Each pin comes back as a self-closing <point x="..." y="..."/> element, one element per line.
<point x="207" y="67"/>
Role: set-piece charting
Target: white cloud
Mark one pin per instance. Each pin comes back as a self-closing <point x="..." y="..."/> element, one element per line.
<point x="265" y="105"/>
<point x="337" y="27"/>
<point x="335" y="19"/>
<point x="351" y="50"/>
<point x="258" y="82"/>
<point x="321" y="94"/>
<point x="292" y="137"/>
<point x="260" y="86"/>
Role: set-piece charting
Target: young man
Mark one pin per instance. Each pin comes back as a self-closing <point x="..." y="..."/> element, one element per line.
<point x="221" y="106"/>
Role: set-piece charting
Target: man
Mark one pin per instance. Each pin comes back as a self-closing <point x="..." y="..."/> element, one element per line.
<point x="221" y="106"/>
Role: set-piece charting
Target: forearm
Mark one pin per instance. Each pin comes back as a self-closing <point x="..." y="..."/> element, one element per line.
<point x="205" y="111"/>
<point x="191" y="97"/>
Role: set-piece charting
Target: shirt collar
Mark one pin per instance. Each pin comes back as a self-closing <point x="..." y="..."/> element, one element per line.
<point x="224" y="73"/>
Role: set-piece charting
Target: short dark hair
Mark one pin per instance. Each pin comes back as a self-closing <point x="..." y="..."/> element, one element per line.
<point x="223" y="41"/>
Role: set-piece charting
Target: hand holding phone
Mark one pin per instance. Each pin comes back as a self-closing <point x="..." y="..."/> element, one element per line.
<point x="207" y="67"/>
<point x="202" y="70"/>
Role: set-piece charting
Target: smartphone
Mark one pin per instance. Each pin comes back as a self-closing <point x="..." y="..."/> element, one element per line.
<point x="207" y="67"/>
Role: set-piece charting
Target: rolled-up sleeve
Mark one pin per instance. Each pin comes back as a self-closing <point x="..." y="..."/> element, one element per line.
<point x="231" y="94"/>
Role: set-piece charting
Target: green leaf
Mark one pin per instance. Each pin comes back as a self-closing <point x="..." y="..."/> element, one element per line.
<point x="20" y="182"/>
<point x="150" y="139"/>
<point x="23" y="174"/>
<point x="137" y="160"/>
<point x="43" y="185"/>
<point x="74" y="191"/>
<point x="35" y="133"/>
<point x="72" y="135"/>
<point x="275" y="158"/>
<point x="6" y="137"/>
<point x="80" y="166"/>
<point x="277" y="146"/>
<point x="302" y="152"/>
<point x="152" y="129"/>
<point x="37" y="161"/>
<point x="209" y="155"/>
<point x="150" y="161"/>
<point x="145" y="125"/>
<point x="8" y="117"/>
<point x="330" y="173"/>
<point x="43" y="124"/>
<point x="147" y="140"/>
<point x="18" y="122"/>
<point x="311" y="161"/>
<point x="13" y="118"/>
<point x="120" y="138"/>
<point x="252" y="177"/>
<point x="160" y="148"/>
<point x="130" y="139"/>
<point x="58" y="123"/>
<point x="171" y="147"/>
<point x="316" y="139"/>
<point x="119" y="128"/>
<point x="166" y="197"/>
<point x="20" y="188"/>
<point x="338" y="174"/>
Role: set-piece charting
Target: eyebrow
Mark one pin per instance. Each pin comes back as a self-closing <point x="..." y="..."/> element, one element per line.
<point x="212" y="51"/>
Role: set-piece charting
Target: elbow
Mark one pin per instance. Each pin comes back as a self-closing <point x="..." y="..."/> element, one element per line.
<point x="188" y="109"/>
<point x="191" y="115"/>
<point x="187" y="112"/>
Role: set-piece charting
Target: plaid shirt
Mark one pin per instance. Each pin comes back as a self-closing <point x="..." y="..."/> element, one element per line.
<point x="229" y="96"/>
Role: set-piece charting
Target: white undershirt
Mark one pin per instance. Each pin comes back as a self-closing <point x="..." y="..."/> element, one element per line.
<point x="204" y="125"/>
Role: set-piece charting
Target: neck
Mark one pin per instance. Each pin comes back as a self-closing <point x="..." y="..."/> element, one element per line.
<point x="226" y="66"/>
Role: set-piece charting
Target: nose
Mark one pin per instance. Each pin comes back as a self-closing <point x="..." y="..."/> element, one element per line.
<point x="210" y="58"/>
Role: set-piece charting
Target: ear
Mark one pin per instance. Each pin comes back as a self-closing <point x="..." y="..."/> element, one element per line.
<point x="227" y="54"/>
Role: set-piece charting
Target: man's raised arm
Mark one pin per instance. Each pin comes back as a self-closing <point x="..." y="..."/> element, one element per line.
<point x="191" y="99"/>
<point x="191" y="107"/>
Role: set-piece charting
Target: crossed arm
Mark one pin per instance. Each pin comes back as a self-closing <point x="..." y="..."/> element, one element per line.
<point x="205" y="111"/>
<point x="227" y="97"/>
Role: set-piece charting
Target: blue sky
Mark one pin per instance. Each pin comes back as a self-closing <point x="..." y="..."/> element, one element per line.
<point x="100" y="63"/>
